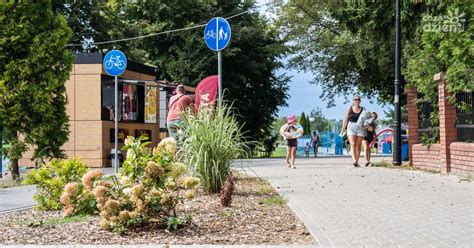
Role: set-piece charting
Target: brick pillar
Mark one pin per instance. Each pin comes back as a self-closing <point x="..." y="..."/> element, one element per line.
<point x="447" y="123"/>
<point x="412" y="120"/>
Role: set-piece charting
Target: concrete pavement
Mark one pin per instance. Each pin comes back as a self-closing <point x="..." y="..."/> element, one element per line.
<point x="374" y="207"/>
<point x="21" y="197"/>
<point x="17" y="198"/>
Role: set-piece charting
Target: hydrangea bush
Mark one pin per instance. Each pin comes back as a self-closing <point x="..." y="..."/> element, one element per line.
<point x="78" y="198"/>
<point x="150" y="188"/>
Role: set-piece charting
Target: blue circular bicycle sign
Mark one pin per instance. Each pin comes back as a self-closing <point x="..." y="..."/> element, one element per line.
<point x="115" y="63"/>
<point x="217" y="33"/>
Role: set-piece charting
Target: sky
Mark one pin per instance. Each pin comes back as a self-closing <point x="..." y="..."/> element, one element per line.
<point x="304" y="97"/>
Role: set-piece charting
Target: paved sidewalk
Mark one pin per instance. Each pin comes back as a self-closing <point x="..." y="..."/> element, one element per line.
<point x="161" y="246"/>
<point x="374" y="207"/>
<point x="17" y="198"/>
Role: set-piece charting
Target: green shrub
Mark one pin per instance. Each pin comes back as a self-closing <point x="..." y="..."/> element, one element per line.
<point x="51" y="179"/>
<point x="213" y="141"/>
<point x="151" y="187"/>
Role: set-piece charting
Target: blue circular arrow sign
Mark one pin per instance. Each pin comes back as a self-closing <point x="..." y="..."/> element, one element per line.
<point x="115" y="63"/>
<point x="217" y="33"/>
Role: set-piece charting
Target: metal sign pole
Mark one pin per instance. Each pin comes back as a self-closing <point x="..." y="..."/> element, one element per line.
<point x="116" y="127"/>
<point x="219" y="72"/>
<point x="1" y="154"/>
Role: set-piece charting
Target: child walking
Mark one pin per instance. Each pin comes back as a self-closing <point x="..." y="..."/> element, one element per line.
<point x="291" y="131"/>
<point x="306" y="149"/>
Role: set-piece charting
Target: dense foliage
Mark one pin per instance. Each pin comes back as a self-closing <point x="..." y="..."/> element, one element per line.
<point x="51" y="179"/>
<point x="349" y="45"/>
<point x="34" y="66"/>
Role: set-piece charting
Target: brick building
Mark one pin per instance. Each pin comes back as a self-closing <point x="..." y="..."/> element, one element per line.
<point x="90" y="107"/>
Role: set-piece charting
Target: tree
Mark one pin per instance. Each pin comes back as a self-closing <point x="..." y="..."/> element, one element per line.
<point x="439" y="50"/>
<point x="249" y="62"/>
<point x="390" y="116"/>
<point x="34" y="66"/>
<point x="321" y="123"/>
<point x="302" y="122"/>
<point x="349" y="45"/>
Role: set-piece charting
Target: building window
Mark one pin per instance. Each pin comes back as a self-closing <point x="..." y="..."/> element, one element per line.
<point x="131" y="101"/>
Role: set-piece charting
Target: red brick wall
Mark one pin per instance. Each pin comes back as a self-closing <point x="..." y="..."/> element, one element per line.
<point x="447" y="122"/>
<point x="426" y="157"/>
<point x="462" y="158"/>
<point x="412" y="120"/>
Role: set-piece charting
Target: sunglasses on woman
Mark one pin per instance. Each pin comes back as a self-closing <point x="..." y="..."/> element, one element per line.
<point x="357" y="99"/>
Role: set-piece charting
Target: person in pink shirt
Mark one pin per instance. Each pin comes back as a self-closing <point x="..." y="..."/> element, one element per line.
<point x="176" y="106"/>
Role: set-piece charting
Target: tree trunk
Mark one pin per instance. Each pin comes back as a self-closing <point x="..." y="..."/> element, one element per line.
<point x="15" y="169"/>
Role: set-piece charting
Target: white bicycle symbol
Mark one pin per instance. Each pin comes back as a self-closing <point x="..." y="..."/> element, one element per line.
<point x="210" y="34"/>
<point x="114" y="61"/>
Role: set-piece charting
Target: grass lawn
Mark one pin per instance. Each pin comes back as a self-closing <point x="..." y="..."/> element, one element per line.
<point x="280" y="152"/>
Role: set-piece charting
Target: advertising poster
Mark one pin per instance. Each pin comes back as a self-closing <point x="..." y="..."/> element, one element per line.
<point x="122" y="135"/>
<point x="150" y="102"/>
<point x="130" y="102"/>
<point x="143" y="133"/>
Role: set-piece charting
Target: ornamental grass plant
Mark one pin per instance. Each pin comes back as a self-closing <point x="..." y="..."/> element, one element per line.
<point x="213" y="140"/>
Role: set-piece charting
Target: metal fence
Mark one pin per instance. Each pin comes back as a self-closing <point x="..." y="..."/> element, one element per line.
<point x="425" y="127"/>
<point x="465" y="116"/>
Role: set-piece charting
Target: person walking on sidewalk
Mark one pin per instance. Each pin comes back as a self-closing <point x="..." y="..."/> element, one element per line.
<point x="369" y="137"/>
<point x="315" y="143"/>
<point x="355" y="132"/>
<point x="177" y="105"/>
<point x="306" y="149"/>
<point x="291" y="131"/>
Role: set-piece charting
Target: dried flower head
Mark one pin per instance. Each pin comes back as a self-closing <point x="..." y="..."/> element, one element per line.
<point x="191" y="182"/>
<point x="190" y="194"/>
<point x="71" y="188"/>
<point x="104" y="224"/>
<point x="112" y="204"/>
<point x="153" y="170"/>
<point x="68" y="211"/>
<point x="65" y="199"/>
<point x="137" y="190"/>
<point x="100" y="191"/>
<point x="133" y="214"/>
<point x="124" y="215"/>
<point x="90" y="176"/>
<point x="129" y="140"/>
<point x="170" y="183"/>
<point x="178" y="169"/>
<point x="167" y="146"/>
<point x="166" y="199"/>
